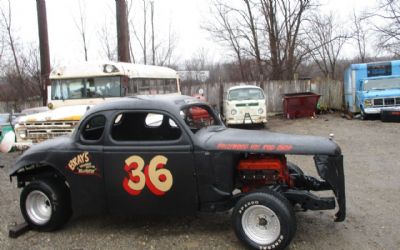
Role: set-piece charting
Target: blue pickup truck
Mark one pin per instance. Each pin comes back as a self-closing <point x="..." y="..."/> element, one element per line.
<point x="370" y="88"/>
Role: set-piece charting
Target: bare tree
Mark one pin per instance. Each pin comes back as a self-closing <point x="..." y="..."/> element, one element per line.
<point x="7" y="23"/>
<point x="144" y="31"/>
<point x="224" y="28"/>
<point x="2" y="47"/>
<point x="81" y="25"/>
<point x="389" y="29"/>
<point x="164" y="50"/>
<point x="107" y="42"/>
<point x="283" y="19"/>
<point x="252" y="29"/>
<point x="360" y="35"/>
<point x="141" y="38"/>
<point x="152" y="32"/>
<point x="325" y="42"/>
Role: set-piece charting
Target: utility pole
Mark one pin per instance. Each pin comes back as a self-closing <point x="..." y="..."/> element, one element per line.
<point x="122" y="31"/>
<point x="44" y="48"/>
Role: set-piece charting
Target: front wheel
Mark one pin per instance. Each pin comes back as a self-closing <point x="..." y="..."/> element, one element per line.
<point x="264" y="220"/>
<point x="45" y="204"/>
<point x="363" y="115"/>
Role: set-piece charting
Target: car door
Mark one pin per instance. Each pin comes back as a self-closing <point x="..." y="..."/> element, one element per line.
<point x="148" y="165"/>
<point x="84" y="166"/>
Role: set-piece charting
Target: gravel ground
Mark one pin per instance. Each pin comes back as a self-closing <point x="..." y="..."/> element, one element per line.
<point x="372" y="174"/>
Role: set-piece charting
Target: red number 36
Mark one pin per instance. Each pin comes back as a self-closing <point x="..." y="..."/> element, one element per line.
<point x="158" y="179"/>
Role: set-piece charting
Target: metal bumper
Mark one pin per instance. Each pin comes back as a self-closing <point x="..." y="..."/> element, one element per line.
<point x="21" y="146"/>
<point x="255" y="119"/>
<point x="378" y="110"/>
<point x="330" y="168"/>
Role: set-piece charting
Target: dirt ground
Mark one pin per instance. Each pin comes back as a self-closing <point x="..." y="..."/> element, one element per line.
<point x="372" y="169"/>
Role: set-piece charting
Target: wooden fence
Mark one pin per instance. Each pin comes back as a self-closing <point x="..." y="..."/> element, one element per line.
<point x="12" y="106"/>
<point x="331" y="92"/>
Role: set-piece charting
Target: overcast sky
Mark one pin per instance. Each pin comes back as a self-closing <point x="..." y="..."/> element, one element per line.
<point x="185" y="16"/>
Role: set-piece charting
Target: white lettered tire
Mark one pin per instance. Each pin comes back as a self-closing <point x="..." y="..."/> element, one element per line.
<point x="264" y="220"/>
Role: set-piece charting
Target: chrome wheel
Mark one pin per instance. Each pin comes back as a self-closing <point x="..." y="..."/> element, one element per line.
<point x="261" y="224"/>
<point x="38" y="207"/>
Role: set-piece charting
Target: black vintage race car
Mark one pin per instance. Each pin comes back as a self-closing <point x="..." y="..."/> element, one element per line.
<point x="173" y="155"/>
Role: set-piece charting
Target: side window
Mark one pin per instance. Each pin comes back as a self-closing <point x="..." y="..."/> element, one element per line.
<point x="94" y="128"/>
<point x="143" y="126"/>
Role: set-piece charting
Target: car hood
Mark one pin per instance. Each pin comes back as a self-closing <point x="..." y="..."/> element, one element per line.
<point x="381" y="93"/>
<point x="39" y="153"/>
<point x="218" y="138"/>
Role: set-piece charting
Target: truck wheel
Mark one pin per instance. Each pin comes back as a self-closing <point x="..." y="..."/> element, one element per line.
<point x="363" y="116"/>
<point x="294" y="169"/>
<point x="45" y="204"/>
<point x="264" y="220"/>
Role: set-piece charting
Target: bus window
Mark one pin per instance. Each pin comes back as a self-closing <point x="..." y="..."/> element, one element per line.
<point x="170" y="86"/>
<point x="152" y="86"/>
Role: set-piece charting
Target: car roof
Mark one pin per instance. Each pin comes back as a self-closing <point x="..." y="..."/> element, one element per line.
<point x="169" y="103"/>
<point x="244" y="87"/>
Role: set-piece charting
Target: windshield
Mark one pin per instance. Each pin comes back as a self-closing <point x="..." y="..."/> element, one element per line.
<point x="78" y="88"/>
<point x="245" y="94"/>
<point x="381" y="84"/>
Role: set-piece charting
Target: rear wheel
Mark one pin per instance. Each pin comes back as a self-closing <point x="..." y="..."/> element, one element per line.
<point x="264" y="220"/>
<point x="45" y="204"/>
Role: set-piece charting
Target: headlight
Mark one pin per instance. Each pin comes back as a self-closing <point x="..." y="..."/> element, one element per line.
<point x="22" y="134"/>
<point x="233" y="112"/>
<point x="367" y="102"/>
<point x="260" y="111"/>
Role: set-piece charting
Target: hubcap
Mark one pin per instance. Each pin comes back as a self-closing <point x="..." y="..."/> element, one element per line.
<point x="261" y="224"/>
<point x="38" y="207"/>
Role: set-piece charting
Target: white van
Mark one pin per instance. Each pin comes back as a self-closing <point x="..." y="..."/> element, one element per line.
<point x="245" y="105"/>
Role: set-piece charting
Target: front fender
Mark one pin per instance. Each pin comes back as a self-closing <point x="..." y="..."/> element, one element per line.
<point x="28" y="160"/>
<point x="330" y="168"/>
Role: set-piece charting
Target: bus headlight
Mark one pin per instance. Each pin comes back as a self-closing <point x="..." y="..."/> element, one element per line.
<point x="260" y="111"/>
<point x="367" y="103"/>
<point x="233" y="112"/>
<point x="22" y="134"/>
<point x="109" y="68"/>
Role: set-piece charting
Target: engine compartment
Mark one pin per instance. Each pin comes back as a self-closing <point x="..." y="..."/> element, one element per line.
<point x="255" y="171"/>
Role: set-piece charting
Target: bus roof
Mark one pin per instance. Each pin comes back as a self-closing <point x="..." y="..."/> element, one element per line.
<point x="107" y="68"/>
<point x="358" y="66"/>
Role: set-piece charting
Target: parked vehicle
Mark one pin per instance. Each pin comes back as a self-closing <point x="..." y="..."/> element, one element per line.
<point x="75" y="88"/>
<point x="147" y="155"/>
<point x="372" y="87"/>
<point x="245" y="105"/>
